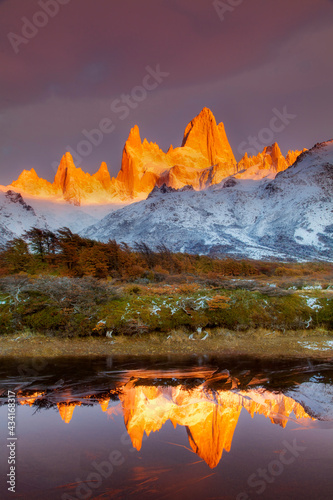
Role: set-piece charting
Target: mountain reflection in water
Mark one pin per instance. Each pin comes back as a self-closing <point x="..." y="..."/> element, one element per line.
<point x="207" y="401"/>
<point x="210" y="414"/>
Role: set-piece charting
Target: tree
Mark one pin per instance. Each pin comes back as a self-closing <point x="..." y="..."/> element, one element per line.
<point x="51" y="242"/>
<point x="70" y="245"/>
<point x="93" y="261"/>
<point x="146" y="252"/>
<point x="16" y="255"/>
<point x="113" y="252"/>
<point x="36" y="237"/>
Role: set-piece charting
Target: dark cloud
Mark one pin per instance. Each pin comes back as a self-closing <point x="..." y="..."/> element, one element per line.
<point x="65" y="77"/>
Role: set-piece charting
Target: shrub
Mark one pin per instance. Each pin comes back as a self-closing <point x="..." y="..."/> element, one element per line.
<point x="218" y="302"/>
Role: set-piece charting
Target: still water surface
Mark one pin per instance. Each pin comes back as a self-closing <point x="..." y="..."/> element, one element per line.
<point x="168" y="428"/>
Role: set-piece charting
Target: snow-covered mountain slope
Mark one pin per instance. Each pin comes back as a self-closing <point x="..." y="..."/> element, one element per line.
<point x="290" y="217"/>
<point x="59" y="214"/>
<point x="18" y="214"/>
<point x="15" y="216"/>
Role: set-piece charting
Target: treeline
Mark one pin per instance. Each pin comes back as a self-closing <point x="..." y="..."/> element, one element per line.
<point x="63" y="253"/>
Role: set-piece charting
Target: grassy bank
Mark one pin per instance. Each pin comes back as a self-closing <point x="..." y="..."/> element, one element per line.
<point x="83" y="307"/>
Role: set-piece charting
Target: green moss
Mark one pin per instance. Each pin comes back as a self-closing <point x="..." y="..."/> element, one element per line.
<point x="324" y="316"/>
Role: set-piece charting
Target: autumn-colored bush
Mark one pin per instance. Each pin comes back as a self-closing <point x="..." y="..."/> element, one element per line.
<point x="284" y="271"/>
<point x="218" y="302"/>
<point x="187" y="288"/>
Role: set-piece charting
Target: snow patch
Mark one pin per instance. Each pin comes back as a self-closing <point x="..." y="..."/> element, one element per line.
<point x="312" y="302"/>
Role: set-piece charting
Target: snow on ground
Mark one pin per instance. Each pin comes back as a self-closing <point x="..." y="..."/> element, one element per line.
<point x="324" y="345"/>
<point x="312" y="287"/>
<point x="312" y="302"/>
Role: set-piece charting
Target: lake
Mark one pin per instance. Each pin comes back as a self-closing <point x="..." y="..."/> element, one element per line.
<point x="200" y="427"/>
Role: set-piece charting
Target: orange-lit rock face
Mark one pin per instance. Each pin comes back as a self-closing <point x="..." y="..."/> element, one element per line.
<point x="78" y="186"/>
<point x="70" y="183"/>
<point x="205" y="158"/>
<point x="210" y="421"/>
<point x="104" y="404"/>
<point x="28" y="400"/>
<point x="292" y="156"/>
<point x="102" y="175"/>
<point x="269" y="162"/>
<point x="202" y="134"/>
<point x="66" y="411"/>
<point x="29" y="182"/>
<point x="141" y="163"/>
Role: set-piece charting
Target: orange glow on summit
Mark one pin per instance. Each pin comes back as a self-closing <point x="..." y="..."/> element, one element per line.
<point x="204" y="158"/>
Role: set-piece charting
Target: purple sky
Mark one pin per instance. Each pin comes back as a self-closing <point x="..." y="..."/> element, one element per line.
<point x="64" y="78"/>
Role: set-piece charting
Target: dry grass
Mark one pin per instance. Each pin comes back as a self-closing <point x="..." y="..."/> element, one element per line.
<point x="260" y="343"/>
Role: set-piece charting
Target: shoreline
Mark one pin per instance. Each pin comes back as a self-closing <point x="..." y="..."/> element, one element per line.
<point x="258" y="344"/>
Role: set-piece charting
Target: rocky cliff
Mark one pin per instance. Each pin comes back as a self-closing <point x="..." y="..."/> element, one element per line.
<point x="204" y="159"/>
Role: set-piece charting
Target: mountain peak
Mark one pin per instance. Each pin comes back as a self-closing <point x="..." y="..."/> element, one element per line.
<point x="29" y="182"/>
<point x="67" y="160"/>
<point x="269" y="162"/>
<point x="32" y="172"/>
<point x="199" y="122"/>
<point x="203" y="135"/>
<point x="206" y="112"/>
<point x="26" y="175"/>
<point x="66" y="167"/>
<point x="103" y="168"/>
<point x="134" y="139"/>
<point x="103" y="175"/>
<point x="273" y="150"/>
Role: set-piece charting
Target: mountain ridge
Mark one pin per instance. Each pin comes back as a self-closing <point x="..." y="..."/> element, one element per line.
<point x="287" y="217"/>
<point x="204" y="158"/>
<point x="266" y="206"/>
